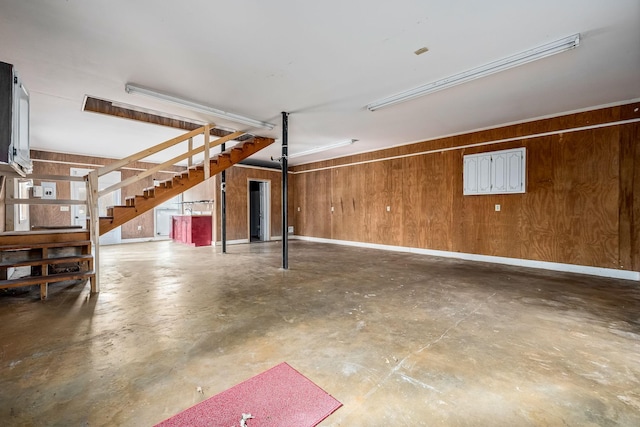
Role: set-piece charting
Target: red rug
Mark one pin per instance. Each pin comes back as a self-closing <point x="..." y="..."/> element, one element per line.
<point x="278" y="397"/>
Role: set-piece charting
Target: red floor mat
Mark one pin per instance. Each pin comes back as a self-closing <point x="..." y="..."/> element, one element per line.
<point x="278" y="397"/>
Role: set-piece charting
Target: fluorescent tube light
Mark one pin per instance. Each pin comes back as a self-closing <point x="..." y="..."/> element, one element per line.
<point x="323" y="148"/>
<point x="131" y="88"/>
<point x="525" y="57"/>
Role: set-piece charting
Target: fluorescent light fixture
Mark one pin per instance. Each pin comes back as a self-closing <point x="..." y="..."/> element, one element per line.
<point x="323" y="148"/>
<point x="525" y="57"/>
<point x="131" y="88"/>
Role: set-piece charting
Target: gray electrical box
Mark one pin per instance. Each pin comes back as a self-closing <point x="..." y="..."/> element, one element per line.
<point x="14" y="123"/>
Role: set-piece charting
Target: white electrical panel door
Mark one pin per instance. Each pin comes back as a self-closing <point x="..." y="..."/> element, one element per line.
<point x="484" y="174"/>
<point x="471" y="175"/>
<point x="515" y="171"/>
<point x="496" y="172"/>
<point x="499" y="173"/>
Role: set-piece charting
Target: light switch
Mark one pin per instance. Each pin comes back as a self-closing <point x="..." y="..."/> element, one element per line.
<point x="388" y="208"/>
<point x="298" y="208"/>
<point x="331" y="208"/>
<point x="497" y="208"/>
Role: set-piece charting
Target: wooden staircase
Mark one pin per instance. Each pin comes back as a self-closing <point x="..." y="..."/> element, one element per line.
<point x="72" y="254"/>
<point x="166" y="190"/>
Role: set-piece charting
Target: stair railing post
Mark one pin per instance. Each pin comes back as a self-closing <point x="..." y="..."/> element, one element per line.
<point x="190" y="148"/>
<point x="207" y="164"/>
<point x="94" y="232"/>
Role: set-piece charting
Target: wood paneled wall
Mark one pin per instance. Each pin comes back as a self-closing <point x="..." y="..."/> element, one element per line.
<point x="237" y="200"/>
<point x="582" y="204"/>
<point x="49" y="163"/>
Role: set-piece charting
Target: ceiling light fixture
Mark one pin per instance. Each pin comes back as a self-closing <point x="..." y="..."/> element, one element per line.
<point x="521" y="58"/>
<point x="323" y="148"/>
<point x="132" y="88"/>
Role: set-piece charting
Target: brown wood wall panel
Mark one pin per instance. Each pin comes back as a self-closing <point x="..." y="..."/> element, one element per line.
<point x="44" y="215"/>
<point x="537" y="235"/>
<point x="397" y="203"/>
<point x="318" y="208"/>
<point x="437" y="195"/>
<point x="378" y="178"/>
<point x="298" y="199"/>
<point x="346" y="199"/>
<point x="586" y="196"/>
<point x="415" y="178"/>
<point x="629" y="223"/>
<point x="581" y="205"/>
<point x="236" y="185"/>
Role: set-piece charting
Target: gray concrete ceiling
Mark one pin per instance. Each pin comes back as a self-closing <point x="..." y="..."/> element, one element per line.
<point x="322" y="61"/>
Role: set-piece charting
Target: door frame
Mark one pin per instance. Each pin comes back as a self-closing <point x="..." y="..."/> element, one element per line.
<point x="266" y="201"/>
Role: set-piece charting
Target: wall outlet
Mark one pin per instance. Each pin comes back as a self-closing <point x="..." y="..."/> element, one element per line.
<point x="139" y="228"/>
<point x="298" y="208"/>
<point x="331" y="208"/>
<point x="64" y="208"/>
<point x="497" y="208"/>
<point x="48" y="190"/>
<point x="388" y="208"/>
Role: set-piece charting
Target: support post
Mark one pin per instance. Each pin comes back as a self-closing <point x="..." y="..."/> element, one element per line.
<point x="223" y="205"/>
<point x="94" y="231"/>
<point x="285" y="166"/>
<point x="190" y="148"/>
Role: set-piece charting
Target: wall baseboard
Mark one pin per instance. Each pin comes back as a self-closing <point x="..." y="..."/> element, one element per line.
<point x="231" y="242"/>
<point x="543" y="265"/>
<point x="136" y="240"/>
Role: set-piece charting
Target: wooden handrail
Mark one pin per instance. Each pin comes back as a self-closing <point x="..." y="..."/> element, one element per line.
<point x="149" y="151"/>
<point x="157" y="168"/>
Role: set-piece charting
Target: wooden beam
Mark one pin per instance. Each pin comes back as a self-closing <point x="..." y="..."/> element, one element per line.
<point x="101" y="106"/>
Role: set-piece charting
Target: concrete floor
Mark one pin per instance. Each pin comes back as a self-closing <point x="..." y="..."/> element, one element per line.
<point x="399" y="339"/>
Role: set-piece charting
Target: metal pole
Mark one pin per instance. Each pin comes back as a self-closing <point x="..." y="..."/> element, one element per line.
<point x="285" y="167"/>
<point x="223" y="205"/>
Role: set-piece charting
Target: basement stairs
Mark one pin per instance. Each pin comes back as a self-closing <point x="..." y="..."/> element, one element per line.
<point x="166" y="190"/>
<point x="61" y="254"/>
